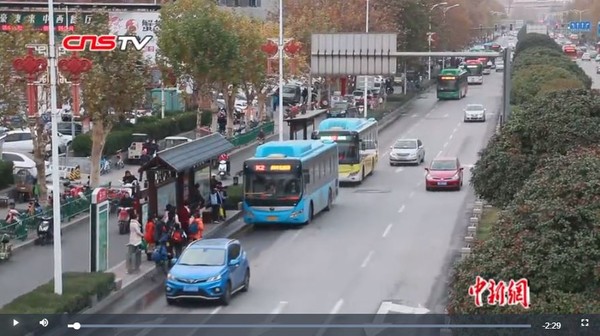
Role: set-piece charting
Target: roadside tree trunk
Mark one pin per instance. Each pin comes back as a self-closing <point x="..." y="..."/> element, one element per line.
<point x="99" y="133"/>
<point x="261" y="97"/>
<point x="229" y="95"/>
<point x="40" y="140"/>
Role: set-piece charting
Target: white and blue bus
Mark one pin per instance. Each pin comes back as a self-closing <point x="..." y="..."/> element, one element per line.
<point x="289" y="182"/>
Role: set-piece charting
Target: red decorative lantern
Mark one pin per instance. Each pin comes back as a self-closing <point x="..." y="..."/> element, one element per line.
<point x="270" y="48"/>
<point x="292" y="47"/>
<point x="32" y="67"/>
<point x="74" y="66"/>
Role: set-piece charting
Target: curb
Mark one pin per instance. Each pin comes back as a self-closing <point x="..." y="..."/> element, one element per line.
<point x="72" y="224"/>
<point x="152" y="272"/>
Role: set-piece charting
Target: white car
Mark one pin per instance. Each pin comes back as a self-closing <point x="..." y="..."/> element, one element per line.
<point x="598" y="58"/>
<point x="22" y="141"/>
<point x="586" y="57"/>
<point x="499" y="67"/>
<point x="22" y="161"/>
<point x="474" y="112"/>
<point x="407" y="151"/>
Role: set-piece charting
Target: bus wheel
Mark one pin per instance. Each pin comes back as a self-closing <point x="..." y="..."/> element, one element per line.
<point x="311" y="213"/>
<point x="329" y="201"/>
<point x="362" y="178"/>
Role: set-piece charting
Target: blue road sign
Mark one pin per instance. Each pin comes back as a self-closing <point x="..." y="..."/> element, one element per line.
<point x="580" y="26"/>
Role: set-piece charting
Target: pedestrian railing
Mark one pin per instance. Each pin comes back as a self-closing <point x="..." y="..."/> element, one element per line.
<point x="29" y="223"/>
<point x="248" y="137"/>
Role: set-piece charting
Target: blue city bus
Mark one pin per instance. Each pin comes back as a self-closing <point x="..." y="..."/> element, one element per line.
<point x="289" y="182"/>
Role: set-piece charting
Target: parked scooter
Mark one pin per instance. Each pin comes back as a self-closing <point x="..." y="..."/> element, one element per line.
<point x="124" y="220"/>
<point x="5" y="247"/>
<point x="45" y="234"/>
<point x="222" y="169"/>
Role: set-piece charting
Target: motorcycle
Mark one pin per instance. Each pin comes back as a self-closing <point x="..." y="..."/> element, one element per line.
<point x="44" y="232"/>
<point x="123" y="220"/>
<point x="222" y="169"/>
<point x="260" y="140"/>
<point x="119" y="164"/>
<point x="104" y="166"/>
<point x="5" y="247"/>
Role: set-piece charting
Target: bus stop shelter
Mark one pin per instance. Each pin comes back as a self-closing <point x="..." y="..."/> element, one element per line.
<point x="302" y="121"/>
<point x="173" y="172"/>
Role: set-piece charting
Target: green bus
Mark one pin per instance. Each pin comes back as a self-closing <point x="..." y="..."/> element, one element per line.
<point x="452" y="84"/>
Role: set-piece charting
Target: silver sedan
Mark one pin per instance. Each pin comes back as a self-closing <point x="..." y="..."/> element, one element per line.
<point x="474" y="112"/>
<point x="406" y="151"/>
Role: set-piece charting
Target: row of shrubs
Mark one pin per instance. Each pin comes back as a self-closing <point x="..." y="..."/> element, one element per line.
<point x="543" y="172"/>
<point x="121" y="135"/>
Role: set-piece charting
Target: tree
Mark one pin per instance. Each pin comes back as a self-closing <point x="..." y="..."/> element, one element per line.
<point x="550" y="125"/>
<point x="115" y="85"/>
<point x="531" y="40"/>
<point x="194" y="41"/>
<point x="528" y="83"/>
<point x="548" y="235"/>
<point x="12" y="93"/>
<point x="539" y="55"/>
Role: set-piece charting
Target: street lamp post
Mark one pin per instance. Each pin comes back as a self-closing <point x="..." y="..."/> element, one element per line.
<point x="367" y="18"/>
<point x="281" y="42"/>
<point x="58" y="284"/>
<point x="429" y="34"/>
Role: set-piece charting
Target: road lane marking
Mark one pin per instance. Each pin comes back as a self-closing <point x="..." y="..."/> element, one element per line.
<point x="386" y="153"/>
<point x="451" y="136"/>
<point x="420" y="183"/>
<point x="411" y="195"/>
<point x="216" y="310"/>
<point x="445" y="144"/>
<point x="399" y="169"/>
<point x="455" y="129"/>
<point x="458" y="125"/>
<point x="367" y="259"/>
<point x="296" y="235"/>
<point x="337" y="307"/>
<point x="415" y="115"/>
<point x="279" y="308"/>
<point x="446" y="115"/>
<point x="401" y="210"/>
<point x="439" y="153"/>
<point x="428" y="113"/>
<point x="387" y="231"/>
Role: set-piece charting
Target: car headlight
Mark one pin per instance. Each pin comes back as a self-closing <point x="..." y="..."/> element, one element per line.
<point x="455" y="177"/>
<point x="412" y="155"/>
<point x="428" y="177"/>
<point x="296" y="213"/>
<point x="214" y="278"/>
<point x="170" y="277"/>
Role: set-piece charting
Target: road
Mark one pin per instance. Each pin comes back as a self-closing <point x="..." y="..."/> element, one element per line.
<point x="590" y="68"/>
<point x="29" y="268"/>
<point x="387" y="239"/>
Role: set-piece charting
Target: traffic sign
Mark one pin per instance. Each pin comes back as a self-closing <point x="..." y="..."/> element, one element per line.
<point x="582" y="26"/>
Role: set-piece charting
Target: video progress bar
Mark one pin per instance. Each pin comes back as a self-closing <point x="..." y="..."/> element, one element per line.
<point x="299" y="326"/>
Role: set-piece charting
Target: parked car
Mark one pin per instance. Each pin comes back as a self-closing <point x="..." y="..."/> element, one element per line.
<point x="342" y="110"/>
<point x="21" y="141"/>
<point x="292" y="94"/>
<point x="22" y="161"/>
<point x="66" y="128"/>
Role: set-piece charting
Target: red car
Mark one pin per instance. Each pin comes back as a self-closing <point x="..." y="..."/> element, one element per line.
<point x="444" y="173"/>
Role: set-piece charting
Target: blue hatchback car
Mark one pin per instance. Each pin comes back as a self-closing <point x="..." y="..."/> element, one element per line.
<point x="209" y="269"/>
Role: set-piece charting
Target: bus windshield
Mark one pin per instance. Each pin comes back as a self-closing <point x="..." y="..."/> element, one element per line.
<point x="474" y="70"/>
<point x="348" y="152"/>
<point x="272" y="189"/>
<point x="446" y="84"/>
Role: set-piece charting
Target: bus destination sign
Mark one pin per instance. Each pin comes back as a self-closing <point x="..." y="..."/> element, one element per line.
<point x="274" y="167"/>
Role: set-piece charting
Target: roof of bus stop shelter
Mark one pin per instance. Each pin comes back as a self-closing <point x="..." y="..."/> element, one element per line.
<point x="303" y="120"/>
<point x="190" y="154"/>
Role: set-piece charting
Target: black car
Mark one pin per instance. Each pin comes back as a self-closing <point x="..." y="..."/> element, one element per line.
<point x="66" y="128"/>
<point x="342" y="110"/>
<point x="292" y="94"/>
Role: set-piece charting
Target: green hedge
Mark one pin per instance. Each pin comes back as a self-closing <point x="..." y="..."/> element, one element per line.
<point x="6" y="174"/>
<point x="79" y="291"/>
<point x="120" y="137"/>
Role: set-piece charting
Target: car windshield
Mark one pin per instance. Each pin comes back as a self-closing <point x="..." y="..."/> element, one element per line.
<point x="139" y="138"/>
<point x="443" y="165"/>
<point x="289" y="89"/>
<point x="474" y="107"/>
<point x="358" y="93"/>
<point x="405" y="144"/>
<point x="202" y="257"/>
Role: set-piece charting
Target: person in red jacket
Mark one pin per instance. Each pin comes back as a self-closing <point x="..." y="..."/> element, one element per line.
<point x="184" y="215"/>
<point x="149" y="237"/>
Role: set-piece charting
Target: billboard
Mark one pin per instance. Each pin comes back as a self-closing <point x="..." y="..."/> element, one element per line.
<point x="141" y="24"/>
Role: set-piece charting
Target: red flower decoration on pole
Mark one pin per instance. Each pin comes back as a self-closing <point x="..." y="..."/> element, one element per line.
<point x="74" y="66"/>
<point x="32" y="67"/>
<point x="292" y="47"/>
<point x="270" y="48"/>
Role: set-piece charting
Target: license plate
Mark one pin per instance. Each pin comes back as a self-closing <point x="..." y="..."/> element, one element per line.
<point x="190" y="288"/>
<point x="271" y="218"/>
<point x="442" y="183"/>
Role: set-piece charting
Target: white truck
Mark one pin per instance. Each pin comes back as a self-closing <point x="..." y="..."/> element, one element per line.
<point x="539" y="29"/>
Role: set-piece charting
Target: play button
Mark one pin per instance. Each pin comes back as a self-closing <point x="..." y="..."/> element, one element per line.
<point x="15" y="322"/>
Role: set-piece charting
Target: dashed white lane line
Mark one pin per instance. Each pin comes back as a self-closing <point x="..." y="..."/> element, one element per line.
<point x="445" y="144"/>
<point x="458" y="125"/>
<point x="367" y="259"/>
<point x="446" y="115"/>
<point x="411" y="195"/>
<point x="386" y="153"/>
<point x="279" y="308"/>
<point x="337" y="307"/>
<point x="451" y="136"/>
<point x="401" y="210"/>
<point x="420" y="183"/>
<point x="295" y="236"/>
<point x="399" y="169"/>
<point x="438" y="154"/>
<point x="454" y="130"/>
<point x="216" y="310"/>
<point x="415" y="115"/>
<point x="387" y="230"/>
